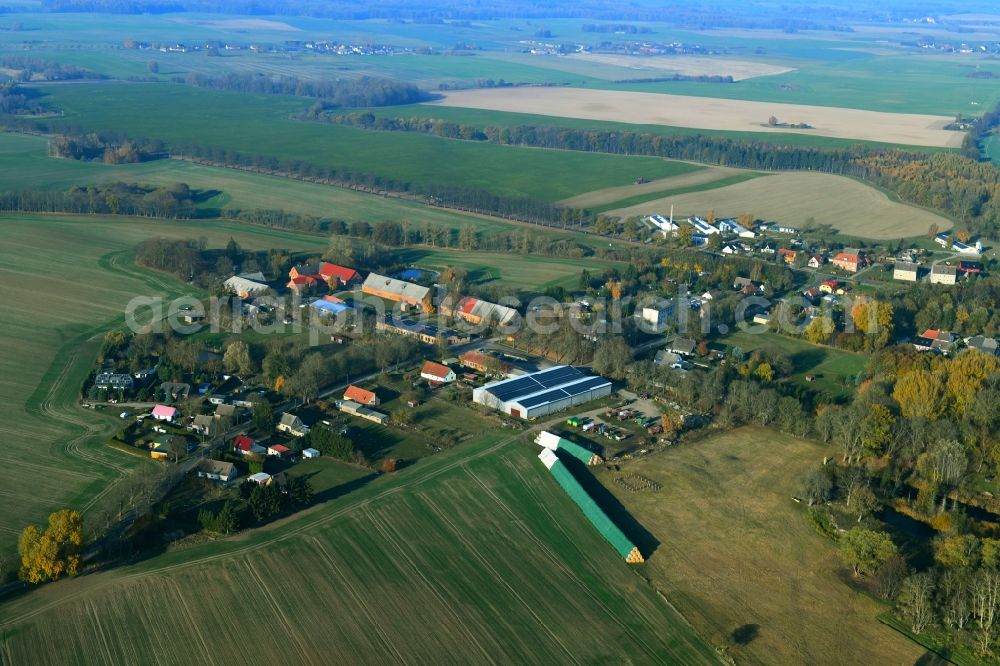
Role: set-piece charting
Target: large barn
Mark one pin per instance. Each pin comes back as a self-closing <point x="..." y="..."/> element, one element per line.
<point x="543" y="392"/>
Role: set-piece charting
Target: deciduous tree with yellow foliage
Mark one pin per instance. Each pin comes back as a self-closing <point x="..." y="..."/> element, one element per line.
<point x="920" y="393"/>
<point x="874" y="319"/>
<point x="55" y="552"/>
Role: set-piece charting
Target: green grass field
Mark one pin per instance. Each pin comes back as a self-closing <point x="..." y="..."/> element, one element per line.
<point x="834" y="369"/>
<point x="25" y="165"/>
<point x="509" y="269"/>
<point x="735" y="551"/>
<point x="475" y="556"/>
<point x="261" y="125"/>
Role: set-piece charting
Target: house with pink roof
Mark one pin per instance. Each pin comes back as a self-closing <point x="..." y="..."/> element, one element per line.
<point x="164" y="413"/>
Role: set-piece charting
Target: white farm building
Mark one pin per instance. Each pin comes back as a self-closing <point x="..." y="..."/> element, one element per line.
<point x="543" y="392"/>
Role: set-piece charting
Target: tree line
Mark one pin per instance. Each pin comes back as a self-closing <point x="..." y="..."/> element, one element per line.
<point x="365" y="91"/>
<point x="34" y="68"/>
<point x="169" y="201"/>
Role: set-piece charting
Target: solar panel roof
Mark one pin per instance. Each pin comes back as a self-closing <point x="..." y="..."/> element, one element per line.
<point x="542" y="398"/>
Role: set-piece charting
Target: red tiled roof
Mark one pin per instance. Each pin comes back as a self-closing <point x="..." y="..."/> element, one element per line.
<point x="435" y="370"/>
<point x="279" y="448"/>
<point x="243" y="443"/>
<point x="358" y="394"/>
<point x="466" y="305"/>
<point x="342" y="273"/>
<point x="847" y="256"/>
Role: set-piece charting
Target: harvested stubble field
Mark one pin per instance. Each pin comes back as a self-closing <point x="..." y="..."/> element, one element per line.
<point x="475" y="556"/>
<point x="850" y="207"/>
<point x="737" y="552"/>
<point x="699" y="175"/>
<point x="740" y="70"/>
<point x="711" y="113"/>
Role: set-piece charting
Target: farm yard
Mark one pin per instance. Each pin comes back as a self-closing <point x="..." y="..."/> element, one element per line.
<point x="737" y="553"/>
<point x="848" y="206"/>
<point x="408" y="566"/>
<point x="712" y="113"/>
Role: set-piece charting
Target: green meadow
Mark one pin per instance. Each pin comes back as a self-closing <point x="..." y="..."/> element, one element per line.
<point x="182" y="116"/>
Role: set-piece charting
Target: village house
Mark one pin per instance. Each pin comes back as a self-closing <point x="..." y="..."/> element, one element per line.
<point x="361" y="396"/>
<point x="116" y="381"/>
<point x="943" y="274"/>
<point x="681" y="346"/>
<point x="748" y="287"/>
<point x="279" y="450"/>
<point x="437" y="373"/>
<point x="789" y="256"/>
<point x="164" y="413"/>
<point x="310" y="453"/>
<point x="244" y="445"/>
<point x="232" y="412"/>
<point x="668" y="359"/>
<point x="850" y="261"/>
<point x="216" y="470"/>
<point x="816" y="261"/>
<point x="983" y="344"/>
<point x="202" y="424"/>
<point x="398" y="291"/>
<point x="935" y="340"/>
<point x="904" y="270"/>
<point x="829" y="286"/>
<point x="657" y="315"/>
<point x="293" y="425"/>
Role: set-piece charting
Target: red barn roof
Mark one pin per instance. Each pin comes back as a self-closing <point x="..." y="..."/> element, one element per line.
<point x="342" y="273"/>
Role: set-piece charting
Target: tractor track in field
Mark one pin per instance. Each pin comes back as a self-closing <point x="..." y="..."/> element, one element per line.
<point x="556" y="561"/>
<point x="471" y="549"/>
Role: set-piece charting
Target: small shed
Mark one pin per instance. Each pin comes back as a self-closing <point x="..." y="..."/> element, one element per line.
<point x="310" y="453"/>
<point x="260" y="478"/>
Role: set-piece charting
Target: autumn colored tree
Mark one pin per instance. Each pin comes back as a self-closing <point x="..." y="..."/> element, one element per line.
<point x="237" y="359"/>
<point x="866" y="550"/>
<point x="53" y="553"/>
<point x="920" y="393"/>
<point x="820" y="330"/>
<point x="389" y="465"/>
<point x="874" y="319"/>
<point x="967" y="373"/>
